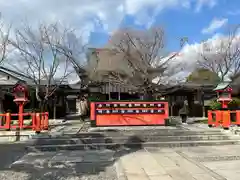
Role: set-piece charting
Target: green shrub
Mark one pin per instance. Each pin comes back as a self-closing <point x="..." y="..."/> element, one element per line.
<point x="204" y="121"/>
<point x="214" y="104"/>
<point x="235" y="103"/>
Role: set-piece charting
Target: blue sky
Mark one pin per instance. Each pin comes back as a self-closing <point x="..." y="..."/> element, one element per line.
<point x="96" y="20"/>
<point x="184" y="22"/>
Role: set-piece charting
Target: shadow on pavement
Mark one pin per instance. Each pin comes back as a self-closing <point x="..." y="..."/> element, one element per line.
<point x="90" y="163"/>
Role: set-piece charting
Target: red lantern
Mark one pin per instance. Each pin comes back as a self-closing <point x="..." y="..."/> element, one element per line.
<point x="20" y="92"/>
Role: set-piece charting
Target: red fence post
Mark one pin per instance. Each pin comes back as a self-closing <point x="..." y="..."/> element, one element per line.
<point x="33" y="121"/>
<point x="238" y="118"/>
<point x="210" y="118"/>
<point x="20" y="116"/>
<point x="45" y="121"/>
<point x="226" y="120"/>
<point x="92" y="111"/>
<point x="219" y="117"/>
<point x="92" y="114"/>
<point x="8" y="121"/>
<point x="38" y="123"/>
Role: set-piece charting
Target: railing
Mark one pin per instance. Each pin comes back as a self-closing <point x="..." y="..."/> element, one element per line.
<point x="37" y="121"/>
<point x="223" y="118"/>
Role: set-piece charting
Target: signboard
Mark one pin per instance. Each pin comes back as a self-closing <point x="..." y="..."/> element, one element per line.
<point x="129" y="113"/>
<point x="130" y="105"/>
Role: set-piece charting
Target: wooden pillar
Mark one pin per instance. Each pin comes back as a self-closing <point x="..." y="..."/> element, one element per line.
<point x="190" y="100"/>
<point x="170" y="105"/>
<point x="67" y="105"/>
<point x="1" y="105"/>
<point x="109" y="89"/>
<point x="202" y="102"/>
<point x="119" y="92"/>
<point x="54" y="107"/>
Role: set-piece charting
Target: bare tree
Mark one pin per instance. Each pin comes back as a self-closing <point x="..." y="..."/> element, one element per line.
<point x="74" y="50"/>
<point x="40" y="61"/>
<point x="222" y="56"/>
<point x="132" y="58"/>
<point x="4" y="43"/>
<point x="143" y="51"/>
<point x="4" y="51"/>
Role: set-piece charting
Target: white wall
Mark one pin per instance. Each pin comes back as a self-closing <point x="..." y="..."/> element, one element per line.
<point x="7" y="80"/>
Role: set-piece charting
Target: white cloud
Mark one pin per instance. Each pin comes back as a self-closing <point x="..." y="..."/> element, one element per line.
<point x="191" y="53"/>
<point x="92" y="15"/>
<point x="146" y="10"/>
<point x="83" y="15"/>
<point x="201" y="3"/>
<point x="214" y="25"/>
<point x="87" y="14"/>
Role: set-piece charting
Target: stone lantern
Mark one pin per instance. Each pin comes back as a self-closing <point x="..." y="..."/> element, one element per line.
<point x="20" y="92"/>
<point x="224" y="94"/>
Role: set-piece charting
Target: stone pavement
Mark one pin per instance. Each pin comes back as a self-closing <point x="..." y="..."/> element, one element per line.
<point x="11" y="152"/>
<point x="195" y="163"/>
<point x="57" y="126"/>
<point x="76" y="165"/>
<point x="69" y="126"/>
<point x="185" y="163"/>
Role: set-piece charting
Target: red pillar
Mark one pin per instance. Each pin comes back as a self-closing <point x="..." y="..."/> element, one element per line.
<point x="20" y="115"/>
<point x="8" y="121"/>
<point x="210" y="119"/>
<point x="224" y="104"/>
<point x="38" y="123"/>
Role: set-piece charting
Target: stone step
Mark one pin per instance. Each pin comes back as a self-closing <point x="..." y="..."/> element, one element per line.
<point x="127" y="134"/>
<point x="138" y="128"/>
<point x="155" y="130"/>
<point x="90" y="156"/>
<point x="151" y="128"/>
<point x="16" y="135"/>
<point x="60" y="140"/>
<point x="138" y="145"/>
<point x="14" y="138"/>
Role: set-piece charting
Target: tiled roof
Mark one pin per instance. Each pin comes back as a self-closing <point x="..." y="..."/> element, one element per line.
<point x="103" y="61"/>
<point x="26" y="79"/>
<point x="222" y="86"/>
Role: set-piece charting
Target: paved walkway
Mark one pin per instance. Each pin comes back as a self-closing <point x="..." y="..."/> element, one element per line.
<point x="187" y="163"/>
<point x="195" y="163"/>
<point x="11" y="152"/>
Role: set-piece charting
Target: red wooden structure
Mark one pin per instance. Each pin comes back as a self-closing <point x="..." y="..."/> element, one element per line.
<point x="38" y="121"/>
<point x="223" y="117"/>
<point x="20" y="92"/>
<point x="224" y="92"/>
<point x="127" y="113"/>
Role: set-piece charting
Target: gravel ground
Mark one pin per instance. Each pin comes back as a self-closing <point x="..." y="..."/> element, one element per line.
<point x="46" y="170"/>
<point x="11" y="152"/>
<point x="79" y="172"/>
<point x="15" y="164"/>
